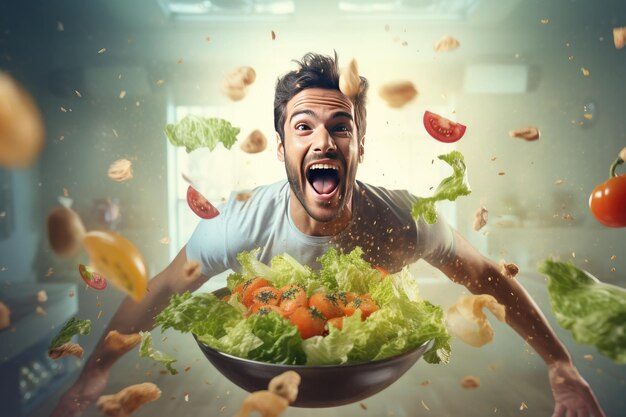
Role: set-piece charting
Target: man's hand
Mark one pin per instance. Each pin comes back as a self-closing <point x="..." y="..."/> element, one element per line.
<point x="572" y="394"/>
<point x="82" y="394"/>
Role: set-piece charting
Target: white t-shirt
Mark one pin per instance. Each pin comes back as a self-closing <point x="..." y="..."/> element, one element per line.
<point x="381" y="225"/>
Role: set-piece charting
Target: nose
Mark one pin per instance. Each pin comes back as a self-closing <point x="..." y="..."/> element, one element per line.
<point x="324" y="142"/>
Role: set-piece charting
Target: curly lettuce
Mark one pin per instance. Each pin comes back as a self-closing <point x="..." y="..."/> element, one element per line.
<point x="195" y="132"/>
<point x="450" y="188"/>
<point x="71" y="328"/>
<point x="594" y="312"/>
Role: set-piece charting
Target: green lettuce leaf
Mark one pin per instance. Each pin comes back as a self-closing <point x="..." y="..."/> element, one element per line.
<point x="450" y="188"/>
<point x="347" y="272"/>
<point x="593" y="311"/>
<point x="73" y="327"/>
<point x="199" y="314"/>
<point x="195" y="132"/>
<point x="147" y="351"/>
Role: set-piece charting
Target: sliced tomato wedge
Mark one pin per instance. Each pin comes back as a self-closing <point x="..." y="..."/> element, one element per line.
<point x="442" y="129"/>
<point x="200" y="205"/>
<point x="92" y="278"/>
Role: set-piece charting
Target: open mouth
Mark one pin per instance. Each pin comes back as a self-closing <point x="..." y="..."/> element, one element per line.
<point x="324" y="178"/>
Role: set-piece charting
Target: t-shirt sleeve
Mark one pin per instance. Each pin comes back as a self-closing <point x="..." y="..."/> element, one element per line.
<point x="208" y="245"/>
<point x="435" y="242"/>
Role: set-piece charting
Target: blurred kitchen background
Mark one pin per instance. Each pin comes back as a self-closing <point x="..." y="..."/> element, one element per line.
<point x="108" y="75"/>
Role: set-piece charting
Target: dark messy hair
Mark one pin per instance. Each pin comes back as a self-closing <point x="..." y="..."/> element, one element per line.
<point x="316" y="71"/>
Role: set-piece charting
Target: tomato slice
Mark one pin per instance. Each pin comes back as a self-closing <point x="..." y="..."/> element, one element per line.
<point x="442" y="129"/>
<point x="200" y="205"/>
<point x="92" y="278"/>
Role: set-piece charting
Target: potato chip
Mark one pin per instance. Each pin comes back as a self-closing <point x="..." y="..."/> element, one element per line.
<point x="470" y="382"/>
<point x="509" y="270"/>
<point x="399" y="93"/>
<point x="446" y="44"/>
<point x="467" y="321"/>
<point x="480" y="218"/>
<point x="254" y="143"/>
<point x="42" y="296"/>
<point x="65" y="231"/>
<point x="121" y="343"/>
<point x="128" y="400"/>
<point x="349" y="80"/>
<point x="619" y="37"/>
<point x="121" y="170"/>
<point x="5" y="316"/>
<point x="21" y="126"/>
<point x="66" y="349"/>
<point x="529" y="133"/>
<point x="235" y="82"/>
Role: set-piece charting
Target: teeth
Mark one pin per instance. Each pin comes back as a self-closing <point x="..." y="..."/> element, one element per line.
<point x="323" y="166"/>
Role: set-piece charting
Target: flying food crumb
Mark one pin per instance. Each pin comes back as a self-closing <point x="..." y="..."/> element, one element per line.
<point x="470" y="382"/>
<point x="363" y="406"/>
<point x="222" y="409"/>
<point x="66" y="349"/>
<point x="165" y="240"/>
<point x="501" y="173"/>
<point x="71" y="294"/>
<point x="480" y="218"/>
<point x="425" y="383"/>
<point x="558" y="182"/>
<point x="159" y="82"/>
<point x="122" y="94"/>
<point x="613" y="257"/>
<point x="585" y="71"/>
<point x="446" y="44"/>
<point x="568" y="217"/>
<point x="545" y="21"/>
<point x="186" y="397"/>
<point x="42" y="296"/>
<point x="103" y="50"/>
<point x="180" y="61"/>
<point x="78" y="94"/>
<point x="523" y="406"/>
<point x="5" y="316"/>
<point x="424" y="405"/>
<point x="115" y="133"/>
<point x="40" y="311"/>
<point x="588" y="357"/>
<point x="187" y="369"/>
<point x="60" y="27"/>
<point x="273" y="35"/>
<point x="99" y="315"/>
<point x="619" y="37"/>
<point x="509" y="270"/>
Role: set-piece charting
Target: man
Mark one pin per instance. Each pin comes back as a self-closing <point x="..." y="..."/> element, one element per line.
<point x="321" y="139"/>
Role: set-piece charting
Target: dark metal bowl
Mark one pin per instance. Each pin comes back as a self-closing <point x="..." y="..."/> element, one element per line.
<point x="321" y="385"/>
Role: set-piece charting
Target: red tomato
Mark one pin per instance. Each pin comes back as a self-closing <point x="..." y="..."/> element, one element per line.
<point x="442" y="129"/>
<point x="309" y="321"/>
<point x="200" y="205"/>
<point x="266" y="295"/>
<point x="92" y="278"/>
<point x="293" y="297"/>
<point x="363" y="303"/>
<point x="343" y="298"/>
<point x="337" y="322"/>
<point x="608" y="200"/>
<point x="327" y="304"/>
<point x="264" y="309"/>
<point x="248" y="289"/>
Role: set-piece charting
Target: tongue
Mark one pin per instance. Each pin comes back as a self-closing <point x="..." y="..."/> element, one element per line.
<point x="324" y="184"/>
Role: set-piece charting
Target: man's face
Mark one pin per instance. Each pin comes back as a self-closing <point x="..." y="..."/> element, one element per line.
<point x="321" y="151"/>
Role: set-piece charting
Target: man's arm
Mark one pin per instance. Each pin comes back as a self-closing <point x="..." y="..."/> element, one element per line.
<point x="482" y="276"/>
<point x="130" y="317"/>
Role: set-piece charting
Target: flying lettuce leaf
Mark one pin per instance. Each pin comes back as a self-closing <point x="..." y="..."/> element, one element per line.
<point x="147" y="351"/>
<point x="73" y="327"/>
<point x="450" y="188"/>
<point x="195" y="132"/>
<point x="593" y="311"/>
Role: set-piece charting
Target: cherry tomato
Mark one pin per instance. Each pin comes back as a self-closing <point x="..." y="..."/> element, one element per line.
<point x="327" y="304"/>
<point x="293" y="296"/>
<point x="343" y="298"/>
<point x="200" y="205"/>
<point x="363" y="303"/>
<point x="266" y="295"/>
<point x="92" y="278"/>
<point x="442" y="129"/>
<point x="383" y="271"/>
<point x="309" y="321"/>
<point x="336" y="321"/>
<point x="264" y="309"/>
<point x="608" y="200"/>
<point x="248" y="289"/>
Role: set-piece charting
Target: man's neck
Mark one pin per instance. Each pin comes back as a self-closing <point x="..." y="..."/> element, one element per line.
<point x="309" y="226"/>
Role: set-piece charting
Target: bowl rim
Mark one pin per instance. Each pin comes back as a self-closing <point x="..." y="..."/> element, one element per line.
<point x="287" y="366"/>
<point x="220" y="292"/>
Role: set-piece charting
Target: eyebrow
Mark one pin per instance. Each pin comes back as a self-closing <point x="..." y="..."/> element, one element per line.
<point x="312" y="114"/>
